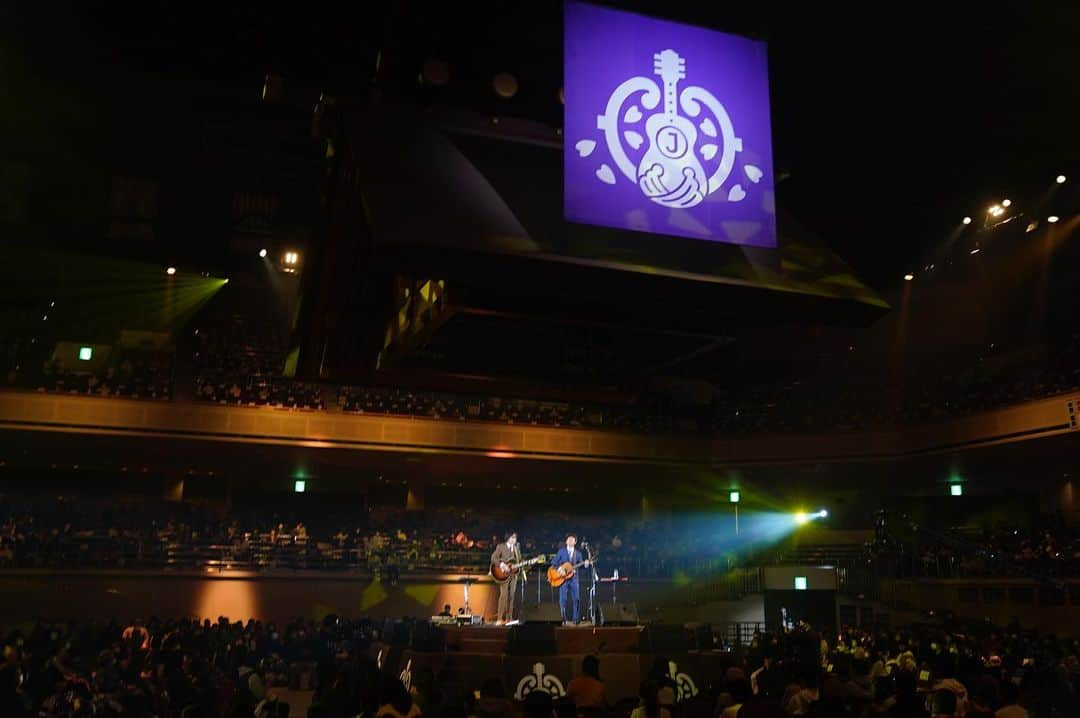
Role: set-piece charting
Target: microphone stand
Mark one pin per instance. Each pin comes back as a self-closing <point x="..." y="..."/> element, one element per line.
<point x="592" y="584"/>
<point x="524" y="579"/>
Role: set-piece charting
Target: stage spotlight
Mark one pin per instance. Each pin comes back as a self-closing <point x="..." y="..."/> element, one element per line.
<point x="996" y="211"/>
<point x="908" y="277"/>
<point x="967" y="220"/>
<point x="290" y="262"/>
<point x="170" y="271"/>
<point x="262" y="253"/>
<point x="803" y="517"/>
<point x="1006" y="202"/>
<point x="1061" y="179"/>
<point x="1052" y="218"/>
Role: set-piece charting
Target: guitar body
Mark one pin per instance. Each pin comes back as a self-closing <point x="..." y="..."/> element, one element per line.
<point x="502" y="575"/>
<point x="555" y="579"/>
<point x="670" y="173"/>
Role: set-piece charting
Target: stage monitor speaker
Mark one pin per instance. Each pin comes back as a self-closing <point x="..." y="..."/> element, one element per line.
<point x="667" y="639"/>
<point x="544" y="613"/>
<point x="532" y="639"/>
<point x="619" y="614"/>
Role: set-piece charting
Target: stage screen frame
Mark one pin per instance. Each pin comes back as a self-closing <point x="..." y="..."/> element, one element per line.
<point x="667" y="128"/>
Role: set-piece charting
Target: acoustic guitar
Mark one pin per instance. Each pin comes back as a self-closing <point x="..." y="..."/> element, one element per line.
<point x="502" y="575"/>
<point x="568" y="572"/>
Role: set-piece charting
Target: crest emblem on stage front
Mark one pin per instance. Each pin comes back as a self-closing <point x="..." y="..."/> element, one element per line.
<point x="684" y="684"/>
<point x="539" y="680"/>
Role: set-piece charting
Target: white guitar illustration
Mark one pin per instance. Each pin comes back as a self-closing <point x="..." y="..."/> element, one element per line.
<point x="670" y="172"/>
<point x="673" y="171"/>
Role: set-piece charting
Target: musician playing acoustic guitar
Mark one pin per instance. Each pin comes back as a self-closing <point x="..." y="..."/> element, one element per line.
<point x="507" y="552"/>
<point x="569" y="555"/>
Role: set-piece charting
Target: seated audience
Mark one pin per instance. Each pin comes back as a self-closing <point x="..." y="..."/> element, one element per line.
<point x="587" y="690"/>
<point x="650" y="702"/>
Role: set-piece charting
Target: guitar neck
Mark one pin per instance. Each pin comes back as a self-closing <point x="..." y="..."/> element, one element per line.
<point x="671" y="68"/>
<point x="670" y="97"/>
<point x="530" y="562"/>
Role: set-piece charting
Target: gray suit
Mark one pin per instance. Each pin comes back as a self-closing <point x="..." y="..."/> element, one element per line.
<point x="508" y="590"/>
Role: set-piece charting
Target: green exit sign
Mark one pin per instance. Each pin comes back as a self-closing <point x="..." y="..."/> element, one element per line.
<point x="800" y="583"/>
<point x="86" y="353"/>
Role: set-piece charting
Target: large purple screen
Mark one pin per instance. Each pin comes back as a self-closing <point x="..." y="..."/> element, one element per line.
<point x="666" y="128"/>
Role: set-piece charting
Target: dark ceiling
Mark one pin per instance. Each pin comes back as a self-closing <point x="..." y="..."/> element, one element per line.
<point x="893" y="121"/>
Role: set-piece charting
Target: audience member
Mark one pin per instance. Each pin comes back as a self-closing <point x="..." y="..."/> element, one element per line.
<point x="587" y="690"/>
<point x="650" y="702"/>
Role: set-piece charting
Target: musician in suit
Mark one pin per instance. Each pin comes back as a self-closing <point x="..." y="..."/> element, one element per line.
<point x="507" y="552"/>
<point x="570" y="589"/>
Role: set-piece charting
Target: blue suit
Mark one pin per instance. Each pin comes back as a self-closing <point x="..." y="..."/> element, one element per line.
<point x="571" y="588"/>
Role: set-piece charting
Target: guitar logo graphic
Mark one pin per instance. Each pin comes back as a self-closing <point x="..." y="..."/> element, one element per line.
<point x="688" y="148"/>
<point x="669" y="173"/>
